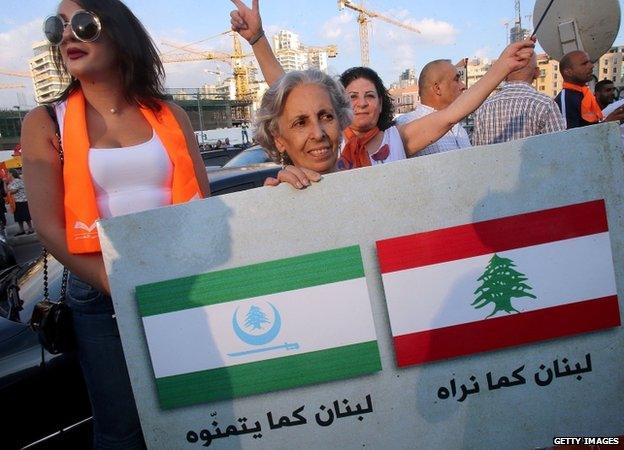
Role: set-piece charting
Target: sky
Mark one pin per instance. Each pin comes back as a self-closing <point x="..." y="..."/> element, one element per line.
<point x="449" y="29"/>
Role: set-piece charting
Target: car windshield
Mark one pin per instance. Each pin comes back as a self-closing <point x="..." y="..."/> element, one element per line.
<point x="254" y="155"/>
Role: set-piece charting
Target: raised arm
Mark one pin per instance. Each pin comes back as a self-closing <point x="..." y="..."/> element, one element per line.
<point x="420" y="133"/>
<point x="43" y="178"/>
<point x="248" y="23"/>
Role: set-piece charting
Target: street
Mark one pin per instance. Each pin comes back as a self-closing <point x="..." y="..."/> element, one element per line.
<point x="26" y="247"/>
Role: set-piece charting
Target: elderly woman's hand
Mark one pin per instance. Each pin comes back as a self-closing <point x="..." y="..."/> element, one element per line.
<point x="297" y="177"/>
<point x="246" y="21"/>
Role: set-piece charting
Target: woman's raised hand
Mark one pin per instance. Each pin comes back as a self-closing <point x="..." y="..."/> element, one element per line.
<point x="297" y="177"/>
<point x="246" y="21"/>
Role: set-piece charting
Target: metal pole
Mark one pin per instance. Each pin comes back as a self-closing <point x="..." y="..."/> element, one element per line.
<point x="201" y="121"/>
<point x="19" y="114"/>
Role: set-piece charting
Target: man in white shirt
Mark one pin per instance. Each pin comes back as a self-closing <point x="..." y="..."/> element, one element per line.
<point x="439" y="84"/>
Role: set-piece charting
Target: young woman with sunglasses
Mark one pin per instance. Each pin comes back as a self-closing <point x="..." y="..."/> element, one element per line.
<point x="125" y="149"/>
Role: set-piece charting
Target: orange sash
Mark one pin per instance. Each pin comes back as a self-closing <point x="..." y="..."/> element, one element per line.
<point x="81" y="211"/>
<point x="354" y="154"/>
<point x="590" y="109"/>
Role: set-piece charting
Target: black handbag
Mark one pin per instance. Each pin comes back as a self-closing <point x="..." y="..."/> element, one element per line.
<point x="52" y="321"/>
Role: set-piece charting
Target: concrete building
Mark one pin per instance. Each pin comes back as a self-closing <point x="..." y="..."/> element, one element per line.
<point x="227" y="89"/>
<point x="408" y="78"/>
<point x="292" y="55"/>
<point x="517" y="33"/>
<point x="475" y="69"/>
<point x="610" y="66"/>
<point x="550" y="81"/>
<point x="318" y="59"/>
<point x="288" y="51"/>
<point x="47" y="80"/>
<point x="404" y="98"/>
<point x="286" y="40"/>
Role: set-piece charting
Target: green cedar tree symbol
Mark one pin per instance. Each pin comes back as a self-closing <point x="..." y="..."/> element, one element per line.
<point x="255" y="318"/>
<point x="501" y="283"/>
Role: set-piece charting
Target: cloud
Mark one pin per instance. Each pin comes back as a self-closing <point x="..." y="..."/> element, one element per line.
<point x="436" y="31"/>
<point x="341" y="30"/>
<point x="432" y="31"/>
<point x="393" y="49"/>
<point x="483" y="52"/>
<point x="339" y="26"/>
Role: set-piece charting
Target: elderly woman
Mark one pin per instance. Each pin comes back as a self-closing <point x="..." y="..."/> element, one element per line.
<point x="366" y="143"/>
<point x="300" y="123"/>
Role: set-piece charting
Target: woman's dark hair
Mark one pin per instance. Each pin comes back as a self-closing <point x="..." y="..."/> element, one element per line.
<point x="140" y="67"/>
<point x="386" y="118"/>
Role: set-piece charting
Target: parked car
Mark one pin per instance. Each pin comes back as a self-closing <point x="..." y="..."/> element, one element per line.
<point x="42" y="394"/>
<point x="246" y="170"/>
<point x="252" y="157"/>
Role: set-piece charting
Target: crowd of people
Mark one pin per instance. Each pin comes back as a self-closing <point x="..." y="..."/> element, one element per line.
<point x="81" y="153"/>
<point x="375" y="137"/>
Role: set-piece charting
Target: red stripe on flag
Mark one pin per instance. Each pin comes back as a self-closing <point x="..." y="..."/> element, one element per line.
<point x="490" y="236"/>
<point x="500" y="332"/>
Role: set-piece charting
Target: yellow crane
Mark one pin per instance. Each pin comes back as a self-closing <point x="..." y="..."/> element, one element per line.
<point x="14" y="74"/>
<point x="363" y="19"/>
<point x="234" y="59"/>
<point x="11" y="86"/>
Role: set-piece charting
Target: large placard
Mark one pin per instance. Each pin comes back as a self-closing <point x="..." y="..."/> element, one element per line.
<point x="515" y="397"/>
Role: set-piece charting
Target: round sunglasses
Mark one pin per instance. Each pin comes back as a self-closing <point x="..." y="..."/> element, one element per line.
<point x="85" y="27"/>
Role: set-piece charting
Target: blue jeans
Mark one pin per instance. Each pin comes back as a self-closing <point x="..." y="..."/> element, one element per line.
<point x="115" y="418"/>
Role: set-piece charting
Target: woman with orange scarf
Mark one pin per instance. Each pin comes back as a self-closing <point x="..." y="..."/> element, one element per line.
<point x="117" y="147"/>
<point x="371" y="138"/>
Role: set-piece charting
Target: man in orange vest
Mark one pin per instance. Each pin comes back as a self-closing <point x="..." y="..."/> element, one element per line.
<point x="576" y="101"/>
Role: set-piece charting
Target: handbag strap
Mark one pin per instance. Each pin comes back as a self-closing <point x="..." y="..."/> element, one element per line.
<point x="57" y="130"/>
<point x="44" y="252"/>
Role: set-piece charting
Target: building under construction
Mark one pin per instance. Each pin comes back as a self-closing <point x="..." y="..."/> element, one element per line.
<point x="209" y="111"/>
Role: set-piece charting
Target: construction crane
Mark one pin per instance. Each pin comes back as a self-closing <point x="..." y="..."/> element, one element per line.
<point x="15" y="74"/>
<point x="11" y="86"/>
<point x="217" y="72"/>
<point x="234" y="59"/>
<point x="363" y="19"/>
<point x="331" y="50"/>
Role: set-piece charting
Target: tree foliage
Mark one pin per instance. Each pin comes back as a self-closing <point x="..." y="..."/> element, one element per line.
<point x="255" y="318"/>
<point x="499" y="284"/>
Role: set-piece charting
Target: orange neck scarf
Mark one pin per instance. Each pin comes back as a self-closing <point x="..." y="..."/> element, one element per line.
<point x="354" y="154"/>
<point x="81" y="211"/>
<point x="590" y="109"/>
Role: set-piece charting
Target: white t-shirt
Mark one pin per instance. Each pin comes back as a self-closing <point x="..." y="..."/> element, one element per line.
<point x="394" y="144"/>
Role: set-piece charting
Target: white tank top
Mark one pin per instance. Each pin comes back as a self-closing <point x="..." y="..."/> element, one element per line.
<point x="392" y="139"/>
<point x="129" y="179"/>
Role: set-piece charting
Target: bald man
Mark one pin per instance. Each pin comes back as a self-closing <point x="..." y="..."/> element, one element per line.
<point x="439" y="84"/>
<point x="576" y="101"/>
<point x="517" y="111"/>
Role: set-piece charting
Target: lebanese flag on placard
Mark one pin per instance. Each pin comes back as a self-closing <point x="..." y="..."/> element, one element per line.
<point x="499" y="283"/>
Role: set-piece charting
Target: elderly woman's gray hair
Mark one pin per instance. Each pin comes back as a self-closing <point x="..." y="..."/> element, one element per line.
<point x="274" y="100"/>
